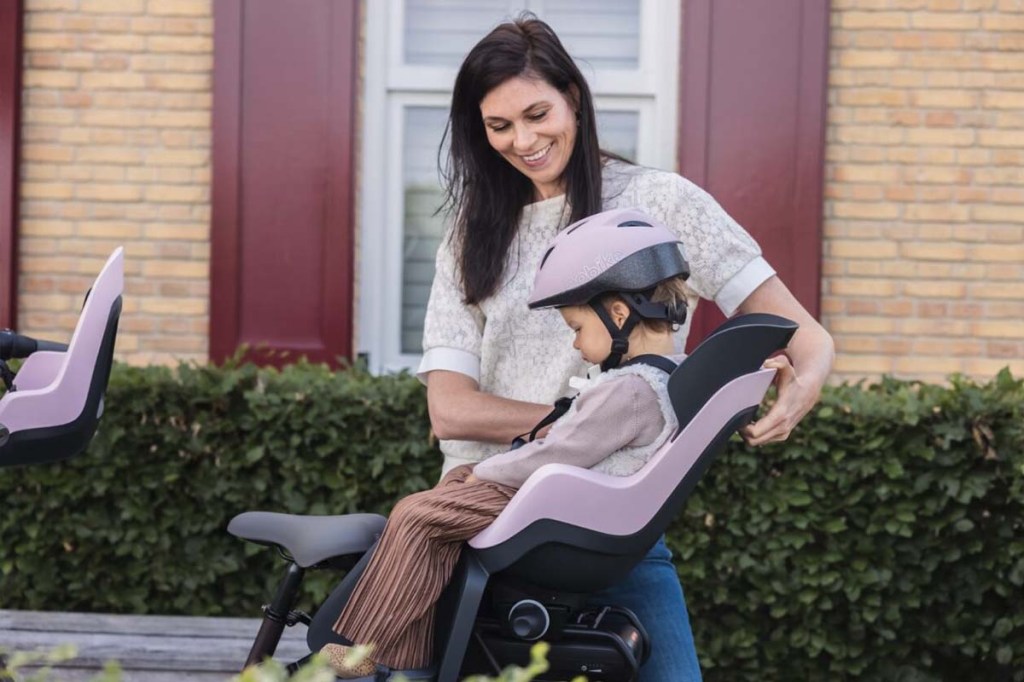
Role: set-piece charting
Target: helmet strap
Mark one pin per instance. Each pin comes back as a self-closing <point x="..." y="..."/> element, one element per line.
<point x="620" y="336"/>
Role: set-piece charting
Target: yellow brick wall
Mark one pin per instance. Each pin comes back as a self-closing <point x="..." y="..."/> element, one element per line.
<point x="924" y="207"/>
<point x="116" y="106"/>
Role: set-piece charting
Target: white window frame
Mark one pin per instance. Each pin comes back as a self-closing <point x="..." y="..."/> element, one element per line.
<point x="389" y="86"/>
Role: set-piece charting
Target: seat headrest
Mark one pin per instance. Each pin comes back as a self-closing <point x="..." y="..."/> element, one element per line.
<point x="737" y="347"/>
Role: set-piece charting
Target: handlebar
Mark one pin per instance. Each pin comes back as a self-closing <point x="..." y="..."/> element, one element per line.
<point x="14" y="345"/>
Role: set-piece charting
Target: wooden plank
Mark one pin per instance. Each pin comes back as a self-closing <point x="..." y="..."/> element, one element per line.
<point x="177" y="646"/>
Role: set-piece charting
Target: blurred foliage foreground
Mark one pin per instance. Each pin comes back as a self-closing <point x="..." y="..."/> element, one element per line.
<point x="884" y="540"/>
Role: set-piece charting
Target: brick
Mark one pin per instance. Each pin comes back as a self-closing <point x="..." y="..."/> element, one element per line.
<point x="869" y="59"/>
<point x="941" y="137"/>
<point x="870" y="249"/>
<point x="173" y="25"/>
<point x="115" y="155"/>
<point x="935" y="289"/>
<point x="998" y="214"/>
<point x="869" y="211"/>
<point x="1001" y="290"/>
<point x="178" y="119"/>
<point x="112" y="6"/>
<point x="108" y="42"/>
<point x="176" y="81"/>
<point x="113" y="81"/>
<point x="121" y="118"/>
<point x="941" y="40"/>
<point x="49" y="79"/>
<point x="180" y="8"/>
<point x="997" y="61"/>
<point x="938" y="175"/>
<point x="1003" y="99"/>
<point x="178" y="269"/>
<point x="974" y="157"/>
<point x="926" y="365"/>
<point x="937" y="213"/>
<point x="167" y="305"/>
<point x="174" y="193"/>
<point x="879" y="20"/>
<point x="941" y="252"/>
<point x="1013" y="253"/>
<point x="1004" y="349"/>
<point x="941" y="325"/>
<point x="881" y="135"/>
<point x="45" y="190"/>
<point x="864" y="287"/>
<point x="38" y="42"/>
<point x="112" y="62"/>
<point x="960" y="21"/>
<point x="990" y="367"/>
<point x="946" y="99"/>
<point x="959" y="60"/>
<point x="885" y="97"/>
<point x="180" y="44"/>
<point x="978" y="79"/>
<point x="862" y="365"/>
<point x="1002" y="329"/>
<point x="110" y="230"/>
<point x="1003" y="22"/>
<point x="940" y="79"/>
<point x="863" y="325"/>
<point x="112" y="192"/>
<point x="182" y="231"/>
<point x="47" y="153"/>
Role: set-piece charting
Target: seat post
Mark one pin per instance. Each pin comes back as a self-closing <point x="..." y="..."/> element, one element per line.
<point x="275" y="616"/>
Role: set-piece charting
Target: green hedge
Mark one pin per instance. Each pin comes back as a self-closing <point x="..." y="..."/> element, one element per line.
<point x="885" y="540"/>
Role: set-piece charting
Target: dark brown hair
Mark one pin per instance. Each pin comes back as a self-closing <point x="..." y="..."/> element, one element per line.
<point x="484" y="192"/>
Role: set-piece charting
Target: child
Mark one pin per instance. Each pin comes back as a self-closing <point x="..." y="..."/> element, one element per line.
<point x="618" y="281"/>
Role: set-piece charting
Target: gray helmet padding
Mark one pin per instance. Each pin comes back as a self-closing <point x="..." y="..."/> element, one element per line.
<point x="637" y="272"/>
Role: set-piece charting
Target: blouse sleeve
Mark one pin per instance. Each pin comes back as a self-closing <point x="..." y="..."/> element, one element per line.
<point x="452" y="330"/>
<point x="608" y="417"/>
<point x="726" y="264"/>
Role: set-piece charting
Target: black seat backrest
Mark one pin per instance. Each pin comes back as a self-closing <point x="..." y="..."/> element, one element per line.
<point x="739" y="346"/>
<point x="61" y="441"/>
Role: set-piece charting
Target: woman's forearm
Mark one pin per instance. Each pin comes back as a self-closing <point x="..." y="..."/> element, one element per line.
<point x="459" y="410"/>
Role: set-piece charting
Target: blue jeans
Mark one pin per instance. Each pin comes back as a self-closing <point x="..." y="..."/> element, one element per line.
<point x="652" y="591"/>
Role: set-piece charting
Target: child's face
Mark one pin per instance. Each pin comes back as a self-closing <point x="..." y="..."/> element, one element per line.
<point x="591" y="337"/>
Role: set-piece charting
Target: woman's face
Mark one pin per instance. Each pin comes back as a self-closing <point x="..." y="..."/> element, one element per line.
<point x="591" y="339"/>
<point x="533" y="126"/>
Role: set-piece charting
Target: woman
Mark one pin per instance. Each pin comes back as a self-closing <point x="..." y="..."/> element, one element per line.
<point x="524" y="162"/>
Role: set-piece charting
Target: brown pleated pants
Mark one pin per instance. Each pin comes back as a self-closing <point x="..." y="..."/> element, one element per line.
<point x="392" y="606"/>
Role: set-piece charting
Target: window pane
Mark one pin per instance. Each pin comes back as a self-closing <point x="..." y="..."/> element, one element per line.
<point x="617" y="132"/>
<point x="422" y="230"/>
<point x="441" y="32"/>
<point x="602" y="33"/>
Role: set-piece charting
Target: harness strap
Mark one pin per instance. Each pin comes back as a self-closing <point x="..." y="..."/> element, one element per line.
<point x="560" y="408"/>
<point x="656" y="361"/>
<point x="562" y="404"/>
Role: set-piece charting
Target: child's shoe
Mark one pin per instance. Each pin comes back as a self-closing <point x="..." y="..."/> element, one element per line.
<point x="340" y="657"/>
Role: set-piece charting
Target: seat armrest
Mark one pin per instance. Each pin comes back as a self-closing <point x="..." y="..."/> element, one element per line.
<point x="39" y="370"/>
<point x="575" y="494"/>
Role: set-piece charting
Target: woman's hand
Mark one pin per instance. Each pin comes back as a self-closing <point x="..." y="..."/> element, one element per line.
<point x="795" y="399"/>
<point x="801" y="373"/>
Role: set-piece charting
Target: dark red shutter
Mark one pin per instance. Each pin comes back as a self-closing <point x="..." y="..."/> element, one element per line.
<point x="283" y="137"/>
<point x="10" y="134"/>
<point x="752" y="127"/>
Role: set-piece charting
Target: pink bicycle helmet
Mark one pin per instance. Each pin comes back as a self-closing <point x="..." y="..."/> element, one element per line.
<point x="622" y="252"/>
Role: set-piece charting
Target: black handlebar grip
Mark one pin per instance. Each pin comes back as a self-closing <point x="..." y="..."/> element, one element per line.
<point x="14" y="345"/>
